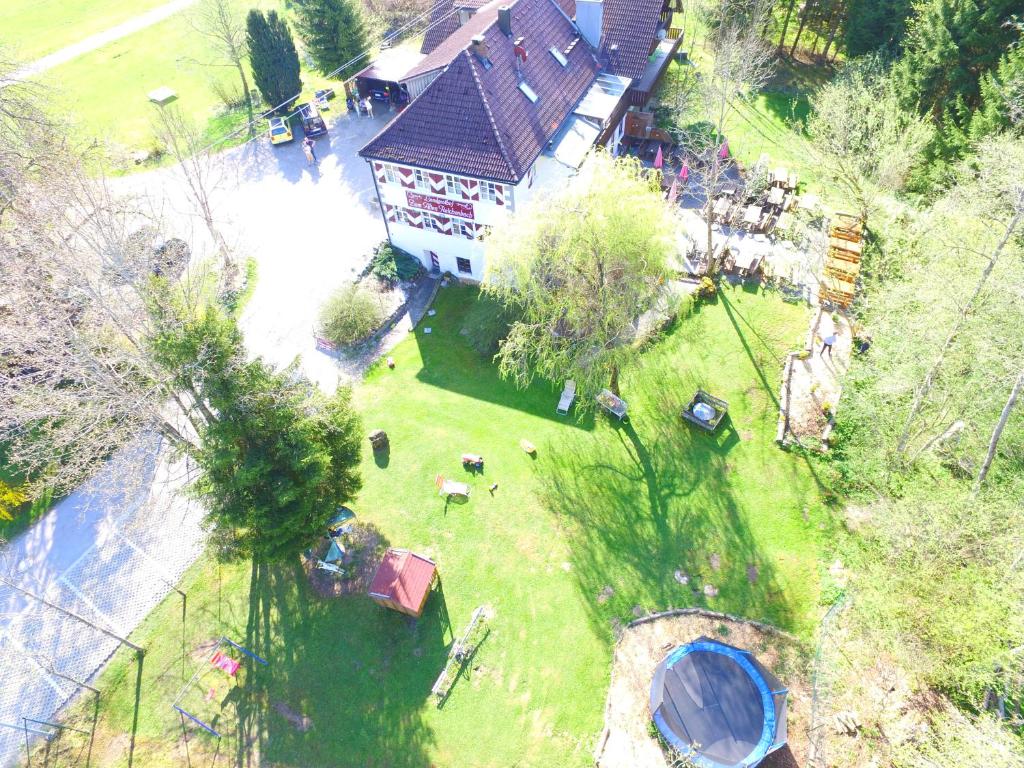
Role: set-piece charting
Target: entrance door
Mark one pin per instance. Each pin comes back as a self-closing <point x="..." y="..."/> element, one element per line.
<point x="435" y="263"/>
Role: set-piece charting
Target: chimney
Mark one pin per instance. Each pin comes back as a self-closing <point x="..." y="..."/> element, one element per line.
<point x="589" y="18"/>
<point x="505" y="20"/>
<point x="478" y="45"/>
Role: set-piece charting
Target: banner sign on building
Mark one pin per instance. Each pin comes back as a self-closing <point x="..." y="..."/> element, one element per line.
<point x="440" y="205"/>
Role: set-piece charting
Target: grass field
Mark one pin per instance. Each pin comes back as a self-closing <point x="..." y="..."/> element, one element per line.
<point x="105" y="92"/>
<point x="34" y="28"/>
<point x="571" y="544"/>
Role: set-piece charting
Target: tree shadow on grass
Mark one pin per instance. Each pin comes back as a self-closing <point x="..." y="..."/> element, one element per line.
<point x="450" y="363"/>
<point x="347" y="680"/>
<point x="654" y="503"/>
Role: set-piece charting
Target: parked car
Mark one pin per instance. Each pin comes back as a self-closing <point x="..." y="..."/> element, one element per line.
<point x="312" y="123"/>
<point x="280" y="130"/>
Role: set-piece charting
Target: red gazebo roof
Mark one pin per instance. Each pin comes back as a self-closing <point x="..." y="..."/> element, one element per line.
<point x="403" y="577"/>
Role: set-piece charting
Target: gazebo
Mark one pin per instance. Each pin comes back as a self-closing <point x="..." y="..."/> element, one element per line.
<point x="403" y="581"/>
<point x="718" y="705"/>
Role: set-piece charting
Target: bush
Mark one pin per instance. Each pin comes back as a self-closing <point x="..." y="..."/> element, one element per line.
<point x="392" y="264"/>
<point x="706" y="290"/>
<point x="486" y="325"/>
<point x="351" y="314"/>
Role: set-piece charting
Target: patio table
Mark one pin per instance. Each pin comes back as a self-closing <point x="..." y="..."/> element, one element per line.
<point x="752" y="215"/>
<point x="722" y="207"/>
<point x="776" y="196"/>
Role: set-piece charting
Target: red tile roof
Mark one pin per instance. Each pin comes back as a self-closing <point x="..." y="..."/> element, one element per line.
<point x="403" y="577"/>
<point x="473" y="120"/>
<point x="444" y="19"/>
<point x="632" y="26"/>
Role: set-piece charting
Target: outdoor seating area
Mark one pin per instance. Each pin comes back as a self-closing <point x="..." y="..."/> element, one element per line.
<point x="758" y="213"/>
<point x="566" y="400"/>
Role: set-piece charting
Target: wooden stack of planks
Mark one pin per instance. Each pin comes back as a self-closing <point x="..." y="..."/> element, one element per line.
<point x="845" y="244"/>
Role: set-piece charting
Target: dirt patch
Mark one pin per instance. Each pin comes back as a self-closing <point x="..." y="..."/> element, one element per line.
<point x="366" y="546"/>
<point x="626" y="742"/>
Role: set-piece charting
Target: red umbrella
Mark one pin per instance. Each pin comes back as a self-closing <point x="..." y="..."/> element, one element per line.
<point x="659" y="159"/>
<point x="673" y="191"/>
<point x="724" y="151"/>
<point x="684" y="172"/>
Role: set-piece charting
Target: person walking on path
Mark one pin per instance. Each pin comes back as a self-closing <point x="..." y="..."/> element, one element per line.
<point x="369" y="107"/>
<point x="826" y="344"/>
<point x="307" y="146"/>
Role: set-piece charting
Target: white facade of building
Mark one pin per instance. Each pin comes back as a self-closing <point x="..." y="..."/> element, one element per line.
<point x="442" y="218"/>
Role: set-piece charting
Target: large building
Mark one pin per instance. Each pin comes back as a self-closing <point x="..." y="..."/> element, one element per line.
<point x="506" y="99"/>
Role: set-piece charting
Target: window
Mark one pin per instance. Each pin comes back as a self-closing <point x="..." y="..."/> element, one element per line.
<point x="432" y="222"/>
<point x="463" y="228"/>
<point x="488" y="191"/>
<point x="389" y="174"/>
<point x="400" y="216"/>
<point x="559" y="56"/>
<point x="528" y="92"/>
<point x="451" y="184"/>
<point x="464" y="266"/>
<point x="422" y="182"/>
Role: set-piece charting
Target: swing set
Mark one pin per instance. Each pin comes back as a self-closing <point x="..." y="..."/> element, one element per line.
<point x="219" y="661"/>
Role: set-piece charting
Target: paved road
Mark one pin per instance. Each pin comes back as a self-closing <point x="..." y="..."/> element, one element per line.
<point x="310" y="229"/>
<point x="111" y="553"/>
<point x="100" y="39"/>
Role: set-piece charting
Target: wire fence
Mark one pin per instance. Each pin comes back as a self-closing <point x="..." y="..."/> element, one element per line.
<point x="142" y="545"/>
<point x="823" y="682"/>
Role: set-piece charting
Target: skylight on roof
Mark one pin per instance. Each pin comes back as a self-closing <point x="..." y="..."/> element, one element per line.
<point x="528" y="92"/>
<point x="559" y="56"/>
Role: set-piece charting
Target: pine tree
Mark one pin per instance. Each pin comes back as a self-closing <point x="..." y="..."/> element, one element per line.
<point x="333" y="32"/>
<point x="274" y="60"/>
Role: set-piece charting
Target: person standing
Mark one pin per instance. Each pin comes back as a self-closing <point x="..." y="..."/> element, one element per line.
<point x="826" y="344"/>
<point x="307" y="148"/>
<point x="369" y="106"/>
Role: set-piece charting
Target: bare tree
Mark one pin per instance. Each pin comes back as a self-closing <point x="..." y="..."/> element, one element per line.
<point x="993" y="194"/>
<point x="862" y="138"/>
<point x="77" y="380"/>
<point x="742" y="62"/>
<point x="194" y="164"/>
<point x="220" y="22"/>
<point x="997" y="432"/>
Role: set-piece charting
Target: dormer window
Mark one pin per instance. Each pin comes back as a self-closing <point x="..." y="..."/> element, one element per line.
<point x="528" y="92"/>
<point x="559" y="56"/>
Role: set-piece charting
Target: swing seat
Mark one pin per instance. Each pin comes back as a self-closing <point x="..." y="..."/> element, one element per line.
<point x="225" y="663"/>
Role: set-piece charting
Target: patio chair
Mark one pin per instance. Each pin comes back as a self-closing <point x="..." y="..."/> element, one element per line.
<point x="568" y="395"/>
<point x="447" y="487"/>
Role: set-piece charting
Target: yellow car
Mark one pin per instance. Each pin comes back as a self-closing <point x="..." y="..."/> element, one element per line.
<point x="280" y="130"/>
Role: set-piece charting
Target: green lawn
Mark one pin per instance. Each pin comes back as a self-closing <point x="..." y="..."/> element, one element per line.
<point x="105" y="91"/>
<point x="34" y="28"/>
<point x="565" y="549"/>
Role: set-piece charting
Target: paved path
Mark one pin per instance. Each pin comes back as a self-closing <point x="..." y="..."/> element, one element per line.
<point x="112" y="553"/>
<point x="91" y="43"/>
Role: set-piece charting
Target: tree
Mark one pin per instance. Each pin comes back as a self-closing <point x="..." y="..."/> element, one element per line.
<point x="1002" y="97"/>
<point x="991" y="192"/>
<point x="333" y="32"/>
<point x="874" y="25"/>
<point x="865" y="141"/>
<point x="578" y="272"/>
<point x="276" y="456"/>
<point x="741" y="62"/>
<point x="274" y="60"/>
<point x="185" y="143"/>
<point x="997" y="431"/>
<point x="223" y="26"/>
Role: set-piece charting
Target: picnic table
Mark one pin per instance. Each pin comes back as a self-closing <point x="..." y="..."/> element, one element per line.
<point x="752" y="215"/>
<point x="612" y="403"/>
<point x="841" y="244"/>
<point x="776" y="196"/>
<point x="721" y="208"/>
<point x="780" y="176"/>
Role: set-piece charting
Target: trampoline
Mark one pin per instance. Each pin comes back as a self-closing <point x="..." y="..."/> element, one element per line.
<point x="718" y="705"/>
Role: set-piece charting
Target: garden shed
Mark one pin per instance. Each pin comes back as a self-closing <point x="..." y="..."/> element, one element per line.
<point x="718" y="705"/>
<point x="403" y="581"/>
